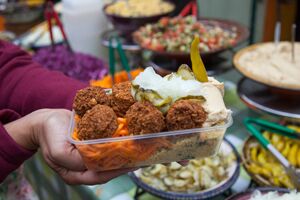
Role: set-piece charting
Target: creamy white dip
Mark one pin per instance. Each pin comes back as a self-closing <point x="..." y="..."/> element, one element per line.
<point x="273" y="65"/>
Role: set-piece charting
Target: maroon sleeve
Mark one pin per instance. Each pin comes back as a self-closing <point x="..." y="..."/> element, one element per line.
<point x="12" y="155"/>
<point x="25" y="86"/>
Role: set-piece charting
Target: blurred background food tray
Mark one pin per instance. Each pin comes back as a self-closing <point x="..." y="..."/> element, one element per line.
<point x="17" y="12"/>
<point x="274" y="86"/>
<point x="220" y="188"/>
<point x="247" y="194"/>
<point x="262" y="167"/>
<point x="127" y="25"/>
<point x="261" y="98"/>
<point x="242" y="36"/>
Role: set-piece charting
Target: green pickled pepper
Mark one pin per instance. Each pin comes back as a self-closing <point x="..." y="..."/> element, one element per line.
<point x="197" y="64"/>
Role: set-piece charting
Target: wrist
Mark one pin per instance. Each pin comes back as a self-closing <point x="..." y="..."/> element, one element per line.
<point x="37" y="123"/>
<point x="22" y="133"/>
<point x="26" y="130"/>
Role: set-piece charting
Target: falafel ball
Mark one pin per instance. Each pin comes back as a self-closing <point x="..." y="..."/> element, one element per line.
<point x="121" y="98"/>
<point x="99" y="122"/>
<point x="185" y="114"/>
<point x="143" y="118"/>
<point x="87" y="98"/>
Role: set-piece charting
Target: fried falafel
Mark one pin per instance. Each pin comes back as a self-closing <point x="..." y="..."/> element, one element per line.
<point x="185" y="114"/>
<point x="144" y="118"/>
<point x="87" y="98"/>
<point x="121" y="98"/>
<point x="99" y="122"/>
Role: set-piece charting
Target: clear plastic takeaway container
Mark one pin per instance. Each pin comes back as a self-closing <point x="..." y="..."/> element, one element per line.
<point x="144" y="150"/>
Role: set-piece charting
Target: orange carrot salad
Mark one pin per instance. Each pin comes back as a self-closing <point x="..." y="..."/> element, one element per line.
<point x="113" y="155"/>
<point x="122" y="76"/>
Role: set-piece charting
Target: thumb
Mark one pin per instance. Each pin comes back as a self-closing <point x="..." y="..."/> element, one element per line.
<point x="71" y="158"/>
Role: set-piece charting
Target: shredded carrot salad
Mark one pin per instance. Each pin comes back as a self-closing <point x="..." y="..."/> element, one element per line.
<point x="114" y="155"/>
<point x="122" y="76"/>
<point x="122" y="128"/>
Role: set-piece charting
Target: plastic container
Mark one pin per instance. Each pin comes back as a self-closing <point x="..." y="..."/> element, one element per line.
<point x="165" y="147"/>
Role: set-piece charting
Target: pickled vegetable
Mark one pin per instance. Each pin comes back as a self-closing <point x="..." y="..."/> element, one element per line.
<point x="197" y="63"/>
<point x="198" y="175"/>
<point x="163" y="94"/>
<point x="264" y="164"/>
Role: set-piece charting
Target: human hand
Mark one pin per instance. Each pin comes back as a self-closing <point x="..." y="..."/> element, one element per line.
<point x="48" y="130"/>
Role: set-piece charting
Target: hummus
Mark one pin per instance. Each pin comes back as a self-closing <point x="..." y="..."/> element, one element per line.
<point x="271" y="65"/>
